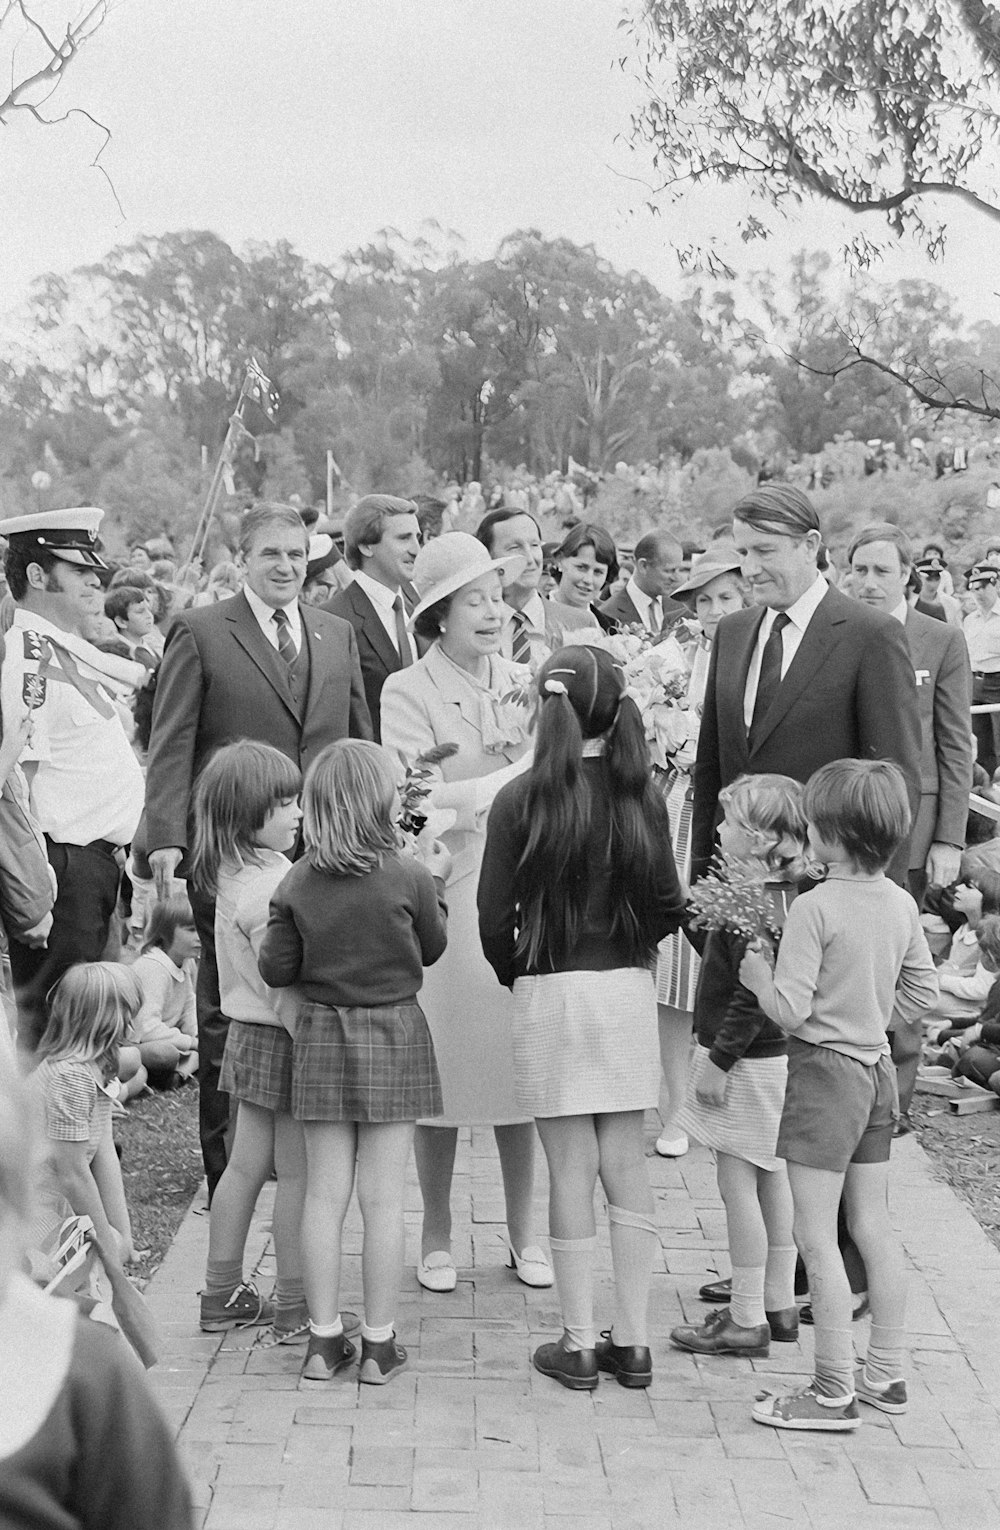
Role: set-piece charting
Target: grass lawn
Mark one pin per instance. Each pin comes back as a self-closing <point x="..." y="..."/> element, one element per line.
<point x="161" y="1166"/>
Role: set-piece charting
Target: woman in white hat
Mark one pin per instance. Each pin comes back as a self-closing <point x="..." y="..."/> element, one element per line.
<point x="713" y="590"/>
<point x="455" y="695"/>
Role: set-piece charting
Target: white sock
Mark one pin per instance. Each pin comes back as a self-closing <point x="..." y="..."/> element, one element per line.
<point x="746" y="1304"/>
<point x="779" y="1278"/>
<point x="377" y="1335"/>
<point x="634" y="1242"/>
<point x="326" y="1330"/>
<point x="573" y="1266"/>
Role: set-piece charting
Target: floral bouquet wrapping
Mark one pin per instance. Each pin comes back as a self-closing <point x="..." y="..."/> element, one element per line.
<point x="734" y="897"/>
<point x="656" y="677"/>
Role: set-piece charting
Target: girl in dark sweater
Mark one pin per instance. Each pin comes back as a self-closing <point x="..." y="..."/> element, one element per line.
<point x="577" y="888"/>
<point x="352" y="926"/>
<point x="736" y="1087"/>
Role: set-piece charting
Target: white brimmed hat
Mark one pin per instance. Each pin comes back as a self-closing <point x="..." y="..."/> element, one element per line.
<point x="70" y="535"/>
<point x="719" y="559"/>
<point x="452" y="561"/>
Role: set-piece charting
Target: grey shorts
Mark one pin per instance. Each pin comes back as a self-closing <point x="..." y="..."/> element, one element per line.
<point x="837" y="1110"/>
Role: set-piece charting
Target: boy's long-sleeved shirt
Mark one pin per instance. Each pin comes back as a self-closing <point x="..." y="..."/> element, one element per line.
<point x="852" y="955"/>
<point x="242" y="907"/>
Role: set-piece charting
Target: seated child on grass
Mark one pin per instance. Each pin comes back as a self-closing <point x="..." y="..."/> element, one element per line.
<point x="166" y="1027"/>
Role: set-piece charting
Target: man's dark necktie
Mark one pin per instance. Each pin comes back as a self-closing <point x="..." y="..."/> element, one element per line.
<point x="286" y="643"/>
<point x="402" y="636"/>
<point x="770" y="673"/>
<point x="521" y="647"/>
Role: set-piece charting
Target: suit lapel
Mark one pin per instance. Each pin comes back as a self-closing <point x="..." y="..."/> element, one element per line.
<point x="453" y="689"/>
<point x="818" y="642"/>
<point x="735" y="672"/>
<point x="320" y="654"/>
<point x="247" y="633"/>
<point x="374" y="630"/>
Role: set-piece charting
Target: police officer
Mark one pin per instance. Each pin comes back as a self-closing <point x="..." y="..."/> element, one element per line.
<point x="86" y="787"/>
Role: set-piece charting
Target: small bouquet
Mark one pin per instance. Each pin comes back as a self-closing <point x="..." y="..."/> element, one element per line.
<point x="734" y="897"/>
<point x="416" y="787"/>
<point x="656" y="677"/>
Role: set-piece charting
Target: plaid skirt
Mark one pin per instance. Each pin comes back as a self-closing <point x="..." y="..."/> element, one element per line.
<point x="257" y="1065"/>
<point x="362" y="1063"/>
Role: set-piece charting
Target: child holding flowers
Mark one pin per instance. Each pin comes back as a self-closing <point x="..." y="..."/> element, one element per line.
<point x="736" y="1087"/>
<point x="852" y="956"/>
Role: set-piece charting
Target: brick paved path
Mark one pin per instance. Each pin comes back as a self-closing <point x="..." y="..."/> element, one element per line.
<point x="471" y="1437"/>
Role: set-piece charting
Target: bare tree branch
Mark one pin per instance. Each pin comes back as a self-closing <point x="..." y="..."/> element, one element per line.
<point x="19" y="97"/>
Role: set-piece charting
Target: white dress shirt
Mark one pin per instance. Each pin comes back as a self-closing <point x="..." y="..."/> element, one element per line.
<point x="266" y="622"/>
<point x="652" y="619"/>
<point x="799" y="616"/>
<point x="982" y="633"/>
<point x="383" y="599"/>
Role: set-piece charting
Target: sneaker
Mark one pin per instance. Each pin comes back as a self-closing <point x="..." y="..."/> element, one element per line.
<point x="242" y="1307"/>
<point x="326" y="1356"/>
<point x="381" y="1360"/>
<point x="719" y="1335"/>
<point x="807" y="1409"/>
<point x="889" y="1398"/>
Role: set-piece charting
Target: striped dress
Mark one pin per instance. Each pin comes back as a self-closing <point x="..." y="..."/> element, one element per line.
<point x="677" y="964"/>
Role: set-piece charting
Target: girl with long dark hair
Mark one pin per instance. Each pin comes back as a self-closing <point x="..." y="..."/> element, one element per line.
<point x="578" y="885"/>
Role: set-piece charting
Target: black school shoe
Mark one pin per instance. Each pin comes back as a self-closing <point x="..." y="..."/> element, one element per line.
<point x="630" y="1364"/>
<point x="720" y="1291"/>
<point x="573" y="1368"/>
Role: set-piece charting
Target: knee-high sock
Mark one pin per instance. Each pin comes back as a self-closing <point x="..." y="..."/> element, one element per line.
<point x="834" y="1365"/>
<point x="573" y="1266"/>
<point x="779" y="1278"/>
<point x="634" y="1241"/>
<point x="746" y="1307"/>
<point x="884" y="1360"/>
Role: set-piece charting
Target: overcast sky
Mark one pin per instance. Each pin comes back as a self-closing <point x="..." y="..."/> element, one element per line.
<point x="322" y="121"/>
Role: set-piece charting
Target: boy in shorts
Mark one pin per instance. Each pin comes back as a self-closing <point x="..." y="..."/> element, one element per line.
<point x="853" y="959"/>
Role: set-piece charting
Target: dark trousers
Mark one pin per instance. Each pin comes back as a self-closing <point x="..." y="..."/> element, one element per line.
<point x="213" y="1103"/>
<point x="88" y="877"/>
<point x="906" y="1040"/>
<point x="986" y="726"/>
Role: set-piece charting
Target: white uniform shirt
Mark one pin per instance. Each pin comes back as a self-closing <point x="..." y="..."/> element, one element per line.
<point x="799" y="616"/>
<point x="982" y="633"/>
<point x="87" y="783"/>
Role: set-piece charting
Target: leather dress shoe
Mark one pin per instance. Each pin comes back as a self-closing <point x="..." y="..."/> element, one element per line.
<point x="784" y="1325"/>
<point x="717" y="1291"/>
<point x="860" y="1311"/>
<point x="630" y="1364"/>
<point x="573" y="1368"/>
<point x="719" y="1335"/>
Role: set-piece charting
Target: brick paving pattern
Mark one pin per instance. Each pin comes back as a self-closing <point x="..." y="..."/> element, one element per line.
<point x="471" y="1438"/>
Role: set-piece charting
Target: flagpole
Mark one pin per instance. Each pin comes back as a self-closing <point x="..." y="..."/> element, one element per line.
<point x="254" y="384"/>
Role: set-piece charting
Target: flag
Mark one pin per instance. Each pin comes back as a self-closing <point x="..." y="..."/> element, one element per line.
<point x="261" y="389"/>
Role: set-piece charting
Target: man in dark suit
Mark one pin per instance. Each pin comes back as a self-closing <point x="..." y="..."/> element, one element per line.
<point x="645" y="601"/>
<point x="381" y="542"/>
<point x="802" y="677"/>
<point x="881" y="559"/>
<point x="533" y="626"/>
<point x="259" y="666"/>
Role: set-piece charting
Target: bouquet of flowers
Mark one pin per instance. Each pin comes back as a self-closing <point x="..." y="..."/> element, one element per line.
<point x="656" y="677"/>
<point x="416" y="788"/>
<point x="734" y="897"/>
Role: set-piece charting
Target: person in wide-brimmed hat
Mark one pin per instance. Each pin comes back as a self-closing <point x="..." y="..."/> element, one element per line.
<point x="458" y="694"/>
<point x="711" y="591"/>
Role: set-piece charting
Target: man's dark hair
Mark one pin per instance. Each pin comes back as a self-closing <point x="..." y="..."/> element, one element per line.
<point x="118" y="602"/>
<point x="494" y="518"/>
<point x="17" y="562"/>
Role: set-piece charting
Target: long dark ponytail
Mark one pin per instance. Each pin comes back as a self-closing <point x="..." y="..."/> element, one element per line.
<point x="581" y="696"/>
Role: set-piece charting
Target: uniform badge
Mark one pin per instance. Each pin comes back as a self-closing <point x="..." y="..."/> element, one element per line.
<point x="33" y="689"/>
<point x="35" y="647"/>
